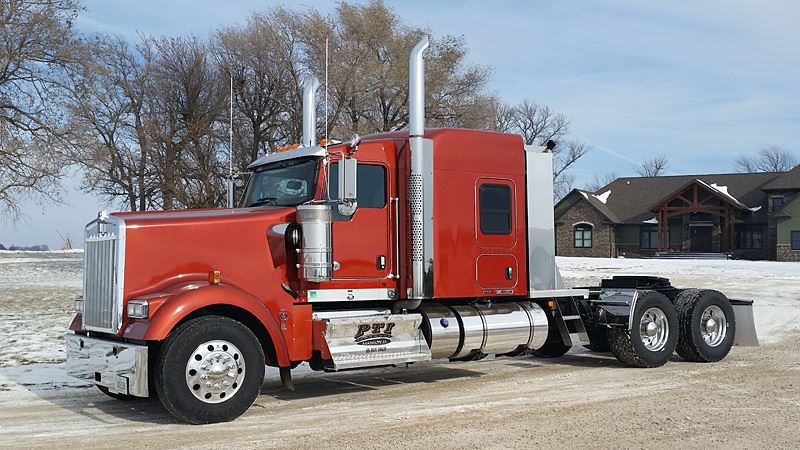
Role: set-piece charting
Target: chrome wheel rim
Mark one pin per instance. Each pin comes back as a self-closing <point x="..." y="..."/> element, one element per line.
<point x="215" y="371"/>
<point x="654" y="329"/>
<point x="713" y="326"/>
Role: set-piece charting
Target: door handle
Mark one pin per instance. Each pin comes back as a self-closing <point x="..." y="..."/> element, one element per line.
<point x="380" y="262"/>
<point x="509" y="273"/>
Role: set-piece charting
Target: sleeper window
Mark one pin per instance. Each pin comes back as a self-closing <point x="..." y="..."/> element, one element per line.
<point x="495" y="209"/>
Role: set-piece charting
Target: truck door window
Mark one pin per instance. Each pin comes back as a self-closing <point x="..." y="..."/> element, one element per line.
<point x="371" y="184"/>
<point x="495" y="209"/>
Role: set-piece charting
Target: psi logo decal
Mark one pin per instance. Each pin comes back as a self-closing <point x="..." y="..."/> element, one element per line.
<point x="374" y="334"/>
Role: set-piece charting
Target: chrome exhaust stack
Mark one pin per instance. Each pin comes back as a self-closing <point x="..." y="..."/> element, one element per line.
<point x="421" y="179"/>
<point x="310" y="86"/>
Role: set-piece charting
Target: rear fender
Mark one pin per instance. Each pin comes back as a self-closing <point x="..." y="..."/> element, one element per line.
<point x="176" y="307"/>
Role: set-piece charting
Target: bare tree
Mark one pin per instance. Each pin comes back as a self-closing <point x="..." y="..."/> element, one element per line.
<point x="564" y="156"/>
<point x="368" y="85"/>
<point x="35" y="38"/>
<point x="538" y="124"/>
<point x="502" y="117"/>
<point x="110" y="110"/>
<point x="263" y="59"/>
<point x="768" y="159"/>
<point x="189" y="99"/>
<point x="599" y="182"/>
<point x="653" y="167"/>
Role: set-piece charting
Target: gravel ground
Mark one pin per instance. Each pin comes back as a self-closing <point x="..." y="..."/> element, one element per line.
<point x="749" y="400"/>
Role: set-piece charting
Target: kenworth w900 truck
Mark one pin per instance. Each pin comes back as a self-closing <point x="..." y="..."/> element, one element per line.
<point x="386" y="250"/>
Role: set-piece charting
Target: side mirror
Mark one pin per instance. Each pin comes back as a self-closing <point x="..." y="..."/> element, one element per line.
<point x="348" y="190"/>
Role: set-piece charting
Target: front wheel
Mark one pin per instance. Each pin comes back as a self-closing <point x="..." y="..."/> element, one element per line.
<point x="652" y="335"/>
<point x="210" y="369"/>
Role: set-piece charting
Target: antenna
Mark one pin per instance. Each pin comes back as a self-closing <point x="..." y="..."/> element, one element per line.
<point x="66" y="240"/>
<point x="326" y="90"/>
<point x="230" y="151"/>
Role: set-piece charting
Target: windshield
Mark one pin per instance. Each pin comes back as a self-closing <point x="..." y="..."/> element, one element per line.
<point x="285" y="183"/>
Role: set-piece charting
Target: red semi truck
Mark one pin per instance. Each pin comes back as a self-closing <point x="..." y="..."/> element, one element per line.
<point x="387" y="250"/>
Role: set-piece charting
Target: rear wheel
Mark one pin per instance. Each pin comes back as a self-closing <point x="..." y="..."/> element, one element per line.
<point x="707" y="325"/>
<point x="653" y="333"/>
<point x="210" y="370"/>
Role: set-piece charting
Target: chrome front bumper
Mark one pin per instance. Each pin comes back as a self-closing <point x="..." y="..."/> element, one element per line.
<point x="119" y="366"/>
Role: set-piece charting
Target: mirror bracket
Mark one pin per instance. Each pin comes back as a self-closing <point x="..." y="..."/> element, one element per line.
<point x="348" y="189"/>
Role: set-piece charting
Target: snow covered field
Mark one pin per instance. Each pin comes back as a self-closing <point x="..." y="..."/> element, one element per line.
<point x="755" y="390"/>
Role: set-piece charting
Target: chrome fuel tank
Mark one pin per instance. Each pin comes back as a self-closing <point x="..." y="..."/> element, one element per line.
<point x="466" y="331"/>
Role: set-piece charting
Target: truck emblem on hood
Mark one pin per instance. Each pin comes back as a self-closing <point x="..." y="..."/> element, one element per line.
<point x="379" y="334"/>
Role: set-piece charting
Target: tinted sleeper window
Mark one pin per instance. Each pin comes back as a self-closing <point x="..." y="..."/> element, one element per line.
<point x="495" y="209"/>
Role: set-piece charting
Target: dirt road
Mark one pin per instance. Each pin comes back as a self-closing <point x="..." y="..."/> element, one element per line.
<point x="751" y="399"/>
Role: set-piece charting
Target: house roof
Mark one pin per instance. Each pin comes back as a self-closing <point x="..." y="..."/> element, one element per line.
<point x="631" y="197"/>
<point x="789" y="180"/>
<point x="597" y="201"/>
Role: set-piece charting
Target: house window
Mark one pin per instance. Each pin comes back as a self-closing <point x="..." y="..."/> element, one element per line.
<point x="777" y="203"/>
<point x="370" y="184"/>
<point x="583" y="236"/>
<point x="495" y="208"/>
<point x="795" y="240"/>
<point x="648" y="236"/>
<point x="749" y="237"/>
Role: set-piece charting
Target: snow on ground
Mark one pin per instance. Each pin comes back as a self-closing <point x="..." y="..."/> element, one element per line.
<point x="773" y="286"/>
<point x="37" y="298"/>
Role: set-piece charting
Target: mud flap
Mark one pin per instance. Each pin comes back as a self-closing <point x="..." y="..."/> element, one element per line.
<point x="746" y="335"/>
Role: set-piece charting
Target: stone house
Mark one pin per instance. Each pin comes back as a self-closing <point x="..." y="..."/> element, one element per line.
<point x="746" y="215"/>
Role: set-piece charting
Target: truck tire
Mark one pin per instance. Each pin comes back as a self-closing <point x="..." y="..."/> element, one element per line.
<point x="210" y="369"/>
<point x="707" y="325"/>
<point x="653" y="336"/>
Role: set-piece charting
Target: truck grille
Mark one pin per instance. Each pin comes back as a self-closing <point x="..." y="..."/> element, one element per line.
<point x="100" y="283"/>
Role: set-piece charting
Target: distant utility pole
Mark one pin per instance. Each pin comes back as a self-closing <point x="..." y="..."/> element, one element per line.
<point x="230" y="151"/>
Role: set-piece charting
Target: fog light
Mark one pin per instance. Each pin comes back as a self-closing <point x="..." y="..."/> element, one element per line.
<point x="79" y="305"/>
<point x="138" y="309"/>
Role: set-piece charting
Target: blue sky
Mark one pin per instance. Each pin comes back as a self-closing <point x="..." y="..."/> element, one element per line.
<point x="701" y="82"/>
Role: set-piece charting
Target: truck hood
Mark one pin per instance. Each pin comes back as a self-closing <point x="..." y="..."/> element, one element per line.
<point x="245" y="245"/>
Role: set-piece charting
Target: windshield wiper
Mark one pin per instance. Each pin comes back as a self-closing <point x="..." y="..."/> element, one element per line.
<point x="264" y="200"/>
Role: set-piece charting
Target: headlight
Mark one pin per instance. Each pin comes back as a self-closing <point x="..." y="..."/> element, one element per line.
<point x="79" y="305"/>
<point x="138" y="309"/>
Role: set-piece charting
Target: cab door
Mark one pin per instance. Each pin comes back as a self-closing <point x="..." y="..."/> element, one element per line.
<point x="362" y="245"/>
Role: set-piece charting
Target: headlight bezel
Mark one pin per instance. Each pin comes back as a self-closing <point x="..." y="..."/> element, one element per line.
<point x="138" y="309"/>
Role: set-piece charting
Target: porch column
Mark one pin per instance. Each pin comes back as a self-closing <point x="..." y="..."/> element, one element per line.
<point x="660" y="228"/>
<point x="732" y="229"/>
